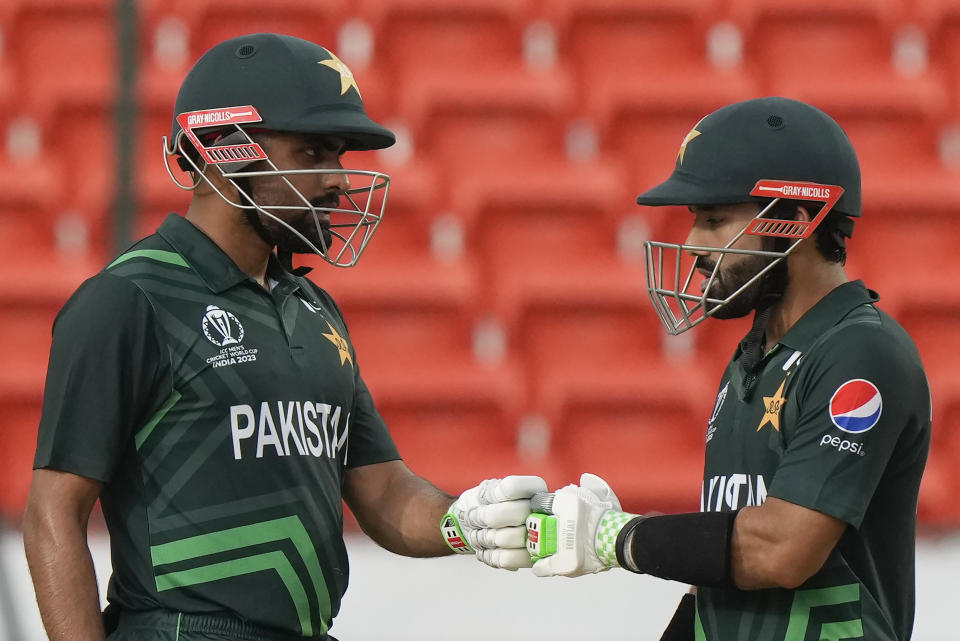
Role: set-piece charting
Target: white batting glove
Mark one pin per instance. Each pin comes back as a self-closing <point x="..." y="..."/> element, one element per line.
<point x="489" y="521"/>
<point x="588" y="519"/>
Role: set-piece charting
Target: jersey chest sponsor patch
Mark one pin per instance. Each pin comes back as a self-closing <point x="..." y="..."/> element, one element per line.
<point x="856" y="406"/>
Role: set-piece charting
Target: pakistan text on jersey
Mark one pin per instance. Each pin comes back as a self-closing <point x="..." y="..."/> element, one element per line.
<point x="732" y="492"/>
<point x="313" y="429"/>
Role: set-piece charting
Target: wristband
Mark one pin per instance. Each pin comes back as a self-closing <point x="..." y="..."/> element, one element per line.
<point x="453" y="535"/>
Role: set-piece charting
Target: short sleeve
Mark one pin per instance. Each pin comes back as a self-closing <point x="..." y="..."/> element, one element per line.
<point x="106" y="366"/>
<point x="370" y="440"/>
<point x="858" y="393"/>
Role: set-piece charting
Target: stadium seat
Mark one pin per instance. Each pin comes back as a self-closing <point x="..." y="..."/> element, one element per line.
<point x="157" y="195"/>
<point x="939" y="507"/>
<point x="907" y="259"/>
<point x="66" y="52"/>
<point x="416" y="38"/>
<point x="797" y="46"/>
<point x="487" y="118"/>
<point x="213" y="21"/>
<point x="940" y="21"/>
<point x="661" y="47"/>
<point x="88" y="132"/>
<point x="650" y="451"/>
<point x="18" y="443"/>
<point x="27" y="329"/>
<point x="457" y="425"/>
<point x="536" y="224"/>
<point x="933" y="325"/>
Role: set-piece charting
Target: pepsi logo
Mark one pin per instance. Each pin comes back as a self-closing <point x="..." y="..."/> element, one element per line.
<point x="856" y="406"/>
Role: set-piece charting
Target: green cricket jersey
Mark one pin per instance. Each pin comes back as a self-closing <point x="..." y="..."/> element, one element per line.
<point x="221" y="418"/>
<point x="838" y="421"/>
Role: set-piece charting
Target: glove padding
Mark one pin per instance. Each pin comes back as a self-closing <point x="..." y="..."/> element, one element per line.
<point x="490" y="519"/>
<point x="580" y="511"/>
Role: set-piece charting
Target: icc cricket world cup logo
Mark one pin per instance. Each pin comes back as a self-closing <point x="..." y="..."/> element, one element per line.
<point x="221" y="327"/>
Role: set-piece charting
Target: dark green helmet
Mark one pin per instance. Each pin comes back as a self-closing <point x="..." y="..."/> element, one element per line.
<point x="765" y="150"/>
<point x="294" y="84"/>
<point x="729" y="151"/>
<point x="245" y="86"/>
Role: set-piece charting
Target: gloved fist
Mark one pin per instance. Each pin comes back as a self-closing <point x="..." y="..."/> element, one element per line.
<point x="588" y="519"/>
<point x="489" y="519"/>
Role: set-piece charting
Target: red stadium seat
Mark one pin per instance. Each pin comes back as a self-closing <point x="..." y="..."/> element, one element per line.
<point x="18" y="443"/>
<point x="66" y="52"/>
<point x="486" y="118"/>
<point x="86" y="132"/>
<point x="649" y="450"/>
<point x="837" y="56"/>
<point x="414" y="38"/>
<point x="940" y="20"/>
<point x="549" y="224"/>
<point x="457" y="426"/>
<point x="213" y="21"/>
<point x="27" y="331"/>
<point x="156" y="193"/>
<point x="932" y="324"/>
<point x="659" y="47"/>
<point x="907" y="259"/>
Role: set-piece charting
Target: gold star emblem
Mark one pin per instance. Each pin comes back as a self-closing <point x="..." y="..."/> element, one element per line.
<point x="773" y="405"/>
<point x="342" y="346"/>
<point x="346" y="76"/>
<point x="686" y="140"/>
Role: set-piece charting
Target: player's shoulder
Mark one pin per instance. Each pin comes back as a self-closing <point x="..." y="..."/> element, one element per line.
<point x="151" y="257"/>
<point x="869" y="336"/>
<point x="118" y="288"/>
<point x="104" y="299"/>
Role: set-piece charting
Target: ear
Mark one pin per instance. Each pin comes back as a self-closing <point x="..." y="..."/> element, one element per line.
<point x="802" y="214"/>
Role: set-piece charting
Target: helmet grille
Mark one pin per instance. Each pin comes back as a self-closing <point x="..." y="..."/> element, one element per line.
<point x="246" y="50"/>
<point x="775" y="122"/>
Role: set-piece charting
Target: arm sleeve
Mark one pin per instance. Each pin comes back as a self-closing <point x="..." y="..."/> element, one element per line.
<point x="105" y="365"/>
<point x="855" y="399"/>
<point x="370" y="440"/>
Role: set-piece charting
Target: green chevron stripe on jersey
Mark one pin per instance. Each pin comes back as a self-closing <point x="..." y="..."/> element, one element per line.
<point x="153" y="254"/>
<point x="144" y="432"/>
<point x="840" y="630"/>
<point x="698" y="633"/>
<point x="248" y="565"/>
<point x="805" y="600"/>
<point x="288" y="528"/>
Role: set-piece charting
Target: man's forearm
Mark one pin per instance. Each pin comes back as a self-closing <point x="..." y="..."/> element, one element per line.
<point x="64" y="581"/>
<point x="420" y="506"/>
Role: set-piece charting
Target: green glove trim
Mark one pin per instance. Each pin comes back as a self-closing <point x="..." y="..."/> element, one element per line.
<point x="541" y="536"/>
<point x="607" y="532"/>
<point x="453" y="535"/>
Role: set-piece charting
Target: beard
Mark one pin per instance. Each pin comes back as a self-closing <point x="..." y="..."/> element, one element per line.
<point x="729" y="280"/>
<point x="313" y="226"/>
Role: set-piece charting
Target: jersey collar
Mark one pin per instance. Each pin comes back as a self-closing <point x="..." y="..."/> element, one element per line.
<point x="215" y="268"/>
<point x="829" y="311"/>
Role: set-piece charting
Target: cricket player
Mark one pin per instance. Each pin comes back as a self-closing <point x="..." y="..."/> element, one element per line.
<point x="210" y="397"/>
<point x="820" y="431"/>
